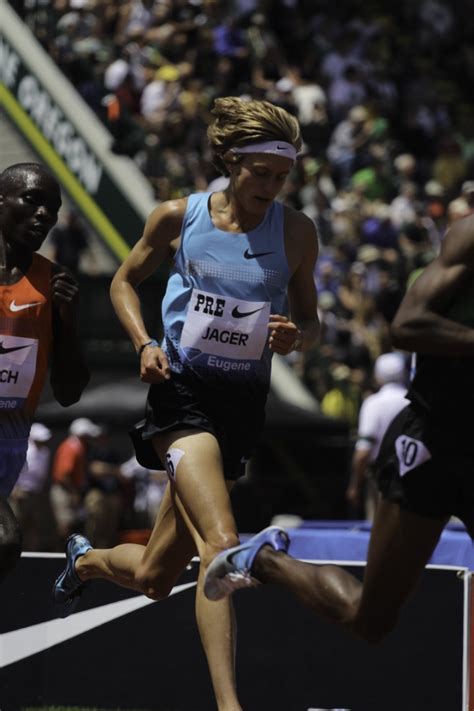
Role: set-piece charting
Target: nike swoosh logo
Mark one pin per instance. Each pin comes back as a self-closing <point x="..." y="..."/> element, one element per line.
<point x="248" y="255"/>
<point x="23" y="643"/>
<point x="242" y="314"/>
<point x="231" y="555"/>
<point x="20" y="307"/>
<point x="4" y="350"/>
<point x="281" y="148"/>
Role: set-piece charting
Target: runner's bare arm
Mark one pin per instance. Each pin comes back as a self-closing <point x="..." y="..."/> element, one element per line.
<point x="301" y="330"/>
<point x="422" y="323"/>
<point x="162" y="228"/>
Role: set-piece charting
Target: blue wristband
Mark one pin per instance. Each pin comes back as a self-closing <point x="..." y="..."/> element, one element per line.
<point x="154" y="343"/>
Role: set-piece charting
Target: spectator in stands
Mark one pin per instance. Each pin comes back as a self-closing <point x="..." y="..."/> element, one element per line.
<point x="103" y="498"/>
<point x="149" y="489"/>
<point x="349" y="137"/>
<point x="345" y="92"/>
<point x="405" y="168"/>
<point x="415" y="103"/>
<point x="403" y="206"/>
<point x="69" y="476"/>
<point x="352" y="290"/>
<point x="343" y="399"/>
<point x="308" y="96"/>
<point x="377" y="412"/>
<point x="368" y="327"/>
<point x="120" y="108"/>
<point x="70" y="241"/>
<point x="29" y="498"/>
<point x="449" y="167"/>
<point x="342" y="53"/>
<point x="467" y="191"/>
<point x="463" y="205"/>
<point x="377" y="228"/>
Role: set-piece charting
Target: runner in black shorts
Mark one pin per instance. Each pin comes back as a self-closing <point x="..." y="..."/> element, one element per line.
<point x="242" y="257"/>
<point x="425" y="467"/>
<point x="187" y="402"/>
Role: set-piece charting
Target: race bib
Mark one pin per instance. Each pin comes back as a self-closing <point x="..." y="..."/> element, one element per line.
<point x="17" y="370"/>
<point x="410" y="453"/>
<point x="226" y="327"/>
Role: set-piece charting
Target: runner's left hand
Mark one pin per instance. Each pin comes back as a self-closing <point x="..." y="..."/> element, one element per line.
<point x="64" y="291"/>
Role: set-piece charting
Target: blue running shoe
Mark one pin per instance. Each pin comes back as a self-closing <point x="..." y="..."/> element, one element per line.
<point x="232" y="569"/>
<point x="68" y="587"/>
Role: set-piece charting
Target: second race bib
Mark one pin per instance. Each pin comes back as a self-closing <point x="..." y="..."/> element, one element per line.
<point x="17" y="370"/>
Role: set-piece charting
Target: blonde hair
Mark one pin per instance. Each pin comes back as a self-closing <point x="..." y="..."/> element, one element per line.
<point x="240" y="122"/>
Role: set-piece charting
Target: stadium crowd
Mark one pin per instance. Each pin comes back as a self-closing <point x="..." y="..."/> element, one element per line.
<point x="82" y="483"/>
<point x="381" y="90"/>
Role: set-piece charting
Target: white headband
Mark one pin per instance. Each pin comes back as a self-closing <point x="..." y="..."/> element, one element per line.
<point x="278" y="148"/>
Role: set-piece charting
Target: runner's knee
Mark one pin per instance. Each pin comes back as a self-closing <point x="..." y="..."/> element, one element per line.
<point x="154" y="583"/>
<point x="215" y="545"/>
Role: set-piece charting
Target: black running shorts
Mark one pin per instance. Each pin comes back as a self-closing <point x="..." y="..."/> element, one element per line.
<point x="234" y="414"/>
<point x="427" y="469"/>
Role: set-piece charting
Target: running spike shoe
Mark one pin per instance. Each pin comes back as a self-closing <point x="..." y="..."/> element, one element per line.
<point x="68" y="587"/>
<point x="232" y="569"/>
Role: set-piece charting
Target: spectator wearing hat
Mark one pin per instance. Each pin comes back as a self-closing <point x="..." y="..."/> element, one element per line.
<point x="467" y="191"/>
<point x="403" y="206"/>
<point x="373" y="181"/>
<point x="463" y="205"/>
<point x="449" y="167"/>
<point x="160" y="93"/>
<point x="103" y="500"/>
<point x="342" y="400"/>
<point x="377" y="412"/>
<point x="120" y="105"/>
<point x="121" y="85"/>
<point x="405" y="168"/>
<point x="435" y="212"/>
<point x="69" y="475"/>
<point x="148" y="488"/>
<point x="29" y="496"/>
<point x="281" y="94"/>
<point x="347" y="140"/>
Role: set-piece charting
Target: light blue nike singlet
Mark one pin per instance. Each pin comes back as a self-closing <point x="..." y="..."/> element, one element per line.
<point x="220" y="294"/>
